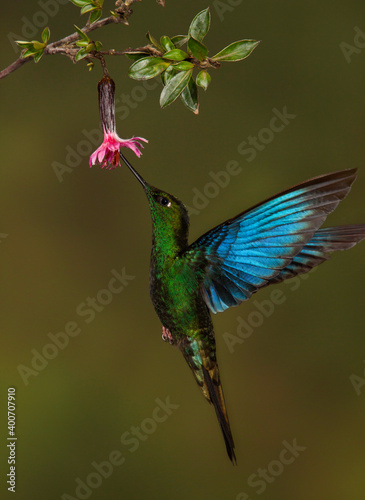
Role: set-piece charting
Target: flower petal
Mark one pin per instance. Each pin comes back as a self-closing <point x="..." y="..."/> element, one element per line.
<point x="107" y="154"/>
<point x="93" y="158"/>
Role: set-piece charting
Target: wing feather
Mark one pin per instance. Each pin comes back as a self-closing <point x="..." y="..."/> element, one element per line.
<point x="264" y="244"/>
<point x="325" y="241"/>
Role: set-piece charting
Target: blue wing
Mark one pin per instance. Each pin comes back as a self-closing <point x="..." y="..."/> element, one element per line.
<point x="249" y="251"/>
<point x="325" y="241"/>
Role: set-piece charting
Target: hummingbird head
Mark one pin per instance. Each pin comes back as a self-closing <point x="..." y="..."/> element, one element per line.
<point x="168" y="213"/>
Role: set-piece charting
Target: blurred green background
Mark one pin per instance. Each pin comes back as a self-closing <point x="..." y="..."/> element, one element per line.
<point x="290" y="379"/>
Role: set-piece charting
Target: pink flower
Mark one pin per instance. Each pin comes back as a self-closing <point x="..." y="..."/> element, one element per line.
<point x="108" y="155"/>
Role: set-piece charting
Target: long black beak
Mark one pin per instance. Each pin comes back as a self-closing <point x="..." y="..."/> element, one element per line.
<point x="141" y="180"/>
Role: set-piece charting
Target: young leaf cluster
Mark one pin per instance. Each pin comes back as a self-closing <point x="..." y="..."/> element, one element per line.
<point x="176" y="65"/>
<point x="35" y="48"/>
<point x="86" y="45"/>
<point x="94" y="7"/>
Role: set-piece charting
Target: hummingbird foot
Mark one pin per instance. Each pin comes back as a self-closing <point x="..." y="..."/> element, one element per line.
<point x="166" y="336"/>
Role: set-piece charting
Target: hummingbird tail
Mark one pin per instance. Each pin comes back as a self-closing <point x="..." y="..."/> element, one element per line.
<point x="214" y="388"/>
<point x="200" y="356"/>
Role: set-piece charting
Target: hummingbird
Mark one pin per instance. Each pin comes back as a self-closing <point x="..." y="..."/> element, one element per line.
<point x="273" y="241"/>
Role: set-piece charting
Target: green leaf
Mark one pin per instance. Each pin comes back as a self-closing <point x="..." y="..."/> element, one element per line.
<point x="198" y="50"/>
<point x="189" y="96"/>
<point x="154" y="42"/>
<point x="203" y="79"/>
<point x="168" y="74"/>
<point x="24" y="44"/>
<point x="87" y="8"/>
<point x="174" y="88"/>
<point x="184" y="66"/>
<point x="147" y="67"/>
<point x="94" y="16"/>
<point x="79" y="3"/>
<point x="175" y="55"/>
<point x="46" y="34"/>
<point x="82" y="34"/>
<point x="38" y="55"/>
<point x="38" y="45"/>
<point x="29" y="52"/>
<point x="90" y="47"/>
<point x="199" y="26"/>
<point x="98" y="46"/>
<point x="179" y="40"/>
<point x="80" y="54"/>
<point x="166" y="43"/>
<point x="82" y="43"/>
<point x="236" y="51"/>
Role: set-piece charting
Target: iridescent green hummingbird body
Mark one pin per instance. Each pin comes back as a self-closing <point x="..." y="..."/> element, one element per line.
<point x="176" y="296"/>
<point x="273" y="241"/>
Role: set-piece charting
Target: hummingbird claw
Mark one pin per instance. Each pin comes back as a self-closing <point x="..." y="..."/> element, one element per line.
<point x="166" y="336"/>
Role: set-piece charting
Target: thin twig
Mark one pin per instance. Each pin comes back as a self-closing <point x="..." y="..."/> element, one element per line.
<point x="99" y="56"/>
<point x="71" y="51"/>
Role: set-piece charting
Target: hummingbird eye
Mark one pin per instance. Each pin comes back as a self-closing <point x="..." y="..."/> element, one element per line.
<point x="164" y="201"/>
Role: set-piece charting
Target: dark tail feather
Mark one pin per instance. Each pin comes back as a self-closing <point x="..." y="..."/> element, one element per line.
<point x="216" y="397"/>
<point x="325" y="241"/>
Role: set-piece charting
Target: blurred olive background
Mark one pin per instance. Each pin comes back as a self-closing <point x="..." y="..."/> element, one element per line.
<point x="290" y="379"/>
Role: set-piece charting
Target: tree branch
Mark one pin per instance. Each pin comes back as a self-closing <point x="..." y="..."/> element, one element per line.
<point x="13" y="66"/>
<point x="64" y="45"/>
<point x="148" y="50"/>
<point x="87" y="29"/>
<point x="124" y="13"/>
